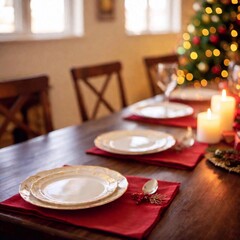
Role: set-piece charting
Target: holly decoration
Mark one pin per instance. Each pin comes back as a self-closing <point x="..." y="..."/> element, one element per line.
<point x="230" y="157"/>
<point x="155" y="198"/>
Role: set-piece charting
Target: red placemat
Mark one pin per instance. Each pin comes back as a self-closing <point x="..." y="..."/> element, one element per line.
<point x="121" y="217"/>
<point x="188" y="121"/>
<point x="185" y="159"/>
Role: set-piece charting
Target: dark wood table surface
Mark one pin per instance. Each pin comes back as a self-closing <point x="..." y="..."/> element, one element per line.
<point x="206" y="207"/>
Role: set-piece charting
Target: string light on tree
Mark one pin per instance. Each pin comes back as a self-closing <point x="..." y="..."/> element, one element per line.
<point x="210" y="42"/>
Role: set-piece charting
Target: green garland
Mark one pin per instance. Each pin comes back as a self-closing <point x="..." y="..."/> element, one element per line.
<point x="230" y="157"/>
<point x="226" y="159"/>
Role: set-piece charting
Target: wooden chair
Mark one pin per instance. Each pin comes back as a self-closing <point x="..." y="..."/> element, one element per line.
<point x="17" y="96"/>
<point x="150" y="65"/>
<point x="87" y="75"/>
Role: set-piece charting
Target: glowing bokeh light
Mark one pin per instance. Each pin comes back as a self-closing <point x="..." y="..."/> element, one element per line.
<point x="189" y="76"/>
<point x="216" y="52"/>
<point x="234" y="47"/>
<point x="204" y="82"/>
<point x="208" y="10"/>
<point x="208" y="53"/>
<point x="205" y="32"/>
<point x="224" y="74"/>
<point x="218" y="10"/>
<point x="186" y="36"/>
<point x="193" y="55"/>
<point x="234" y="33"/>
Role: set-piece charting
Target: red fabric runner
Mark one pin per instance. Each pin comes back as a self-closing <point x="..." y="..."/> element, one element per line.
<point x="185" y="159"/>
<point x="121" y="216"/>
<point x="188" y="121"/>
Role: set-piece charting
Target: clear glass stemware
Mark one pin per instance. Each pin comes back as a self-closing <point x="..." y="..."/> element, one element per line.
<point x="234" y="78"/>
<point x="167" y="78"/>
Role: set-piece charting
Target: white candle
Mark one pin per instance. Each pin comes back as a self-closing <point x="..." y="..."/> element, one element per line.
<point x="225" y="107"/>
<point x="208" y="127"/>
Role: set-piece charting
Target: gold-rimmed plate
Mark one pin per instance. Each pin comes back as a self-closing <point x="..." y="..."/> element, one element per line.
<point x="161" y="110"/>
<point x="26" y="186"/>
<point x="134" y="142"/>
<point x="79" y="186"/>
<point x="193" y="94"/>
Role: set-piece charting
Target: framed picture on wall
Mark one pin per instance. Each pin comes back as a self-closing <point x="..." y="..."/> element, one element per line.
<point x="105" y="9"/>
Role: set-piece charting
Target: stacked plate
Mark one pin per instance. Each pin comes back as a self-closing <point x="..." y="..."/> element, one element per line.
<point x="134" y="142"/>
<point x="73" y="187"/>
<point x="161" y="110"/>
<point x="193" y="94"/>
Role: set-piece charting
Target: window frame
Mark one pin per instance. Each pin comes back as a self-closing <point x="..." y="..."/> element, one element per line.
<point x="74" y="26"/>
<point x="174" y="8"/>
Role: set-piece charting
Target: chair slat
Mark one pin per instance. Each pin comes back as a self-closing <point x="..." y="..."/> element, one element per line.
<point x="85" y="74"/>
<point x="18" y="96"/>
<point x="150" y="66"/>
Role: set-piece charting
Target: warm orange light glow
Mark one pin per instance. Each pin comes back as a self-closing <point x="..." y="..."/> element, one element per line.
<point x="204" y="82"/>
<point x="224" y="73"/>
<point x="208" y="53"/>
<point x="224" y="94"/>
<point x="187" y="45"/>
<point x="205" y="32"/>
<point x="180" y="80"/>
<point x="209" y="113"/>
<point x="208" y="10"/>
<point x="218" y="10"/>
<point x="186" y="36"/>
<point x="234" y="33"/>
<point x="234" y="46"/>
<point x="216" y="52"/>
<point x="189" y="76"/>
<point x="226" y="62"/>
<point x="193" y="55"/>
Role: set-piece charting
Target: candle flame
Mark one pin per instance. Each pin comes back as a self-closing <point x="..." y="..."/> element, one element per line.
<point x="224" y="94"/>
<point x="209" y="113"/>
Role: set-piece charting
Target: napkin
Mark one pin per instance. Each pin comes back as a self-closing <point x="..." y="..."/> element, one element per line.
<point x="188" y="121"/>
<point x="184" y="159"/>
<point x="121" y="216"/>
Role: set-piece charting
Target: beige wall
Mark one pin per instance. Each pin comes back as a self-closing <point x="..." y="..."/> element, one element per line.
<point x="103" y="41"/>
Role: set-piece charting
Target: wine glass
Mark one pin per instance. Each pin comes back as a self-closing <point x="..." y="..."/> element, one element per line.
<point x="167" y="78"/>
<point x="234" y="78"/>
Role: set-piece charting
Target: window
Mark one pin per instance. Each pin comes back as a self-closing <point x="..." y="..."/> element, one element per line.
<point x="152" y="16"/>
<point x="36" y="19"/>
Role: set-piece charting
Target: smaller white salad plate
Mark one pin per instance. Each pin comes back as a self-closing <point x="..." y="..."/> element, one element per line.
<point x="134" y="142"/>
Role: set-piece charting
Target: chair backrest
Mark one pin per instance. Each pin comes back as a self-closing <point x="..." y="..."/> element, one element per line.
<point x="17" y="96"/>
<point x="85" y="75"/>
<point x="151" y="68"/>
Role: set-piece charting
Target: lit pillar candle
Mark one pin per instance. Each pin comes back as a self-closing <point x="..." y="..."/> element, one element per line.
<point x="208" y="127"/>
<point x="225" y="107"/>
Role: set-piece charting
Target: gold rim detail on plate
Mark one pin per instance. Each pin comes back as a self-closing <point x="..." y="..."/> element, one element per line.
<point x="134" y="142"/>
<point x="84" y="185"/>
<point x="161" y="110"/>
<point x="194" y="94"/>
<point x="25" y="188"/>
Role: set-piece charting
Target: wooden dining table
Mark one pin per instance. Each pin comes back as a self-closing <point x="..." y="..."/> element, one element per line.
<point x="206" y="207"/>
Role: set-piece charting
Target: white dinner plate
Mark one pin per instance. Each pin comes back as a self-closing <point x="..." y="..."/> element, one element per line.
<point x="26" y="186"/>
<point x="75" y="187"/>
<point x="134" y="142"/>
<point x="162" y="110"/>
<point x="193" y="94"/>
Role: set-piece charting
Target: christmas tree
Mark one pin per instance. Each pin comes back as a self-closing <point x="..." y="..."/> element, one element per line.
<point x="211" y="42"/>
